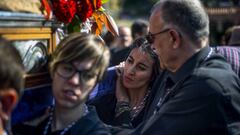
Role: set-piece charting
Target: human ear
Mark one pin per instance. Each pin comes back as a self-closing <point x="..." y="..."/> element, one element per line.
<point x="9" y="98"/>
<point x="175" y="39"/>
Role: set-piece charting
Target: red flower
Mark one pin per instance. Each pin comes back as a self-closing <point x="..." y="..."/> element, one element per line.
<point x="99" y="4"/>
<point x="64" y="10"/>
<point x="84" y="9"/>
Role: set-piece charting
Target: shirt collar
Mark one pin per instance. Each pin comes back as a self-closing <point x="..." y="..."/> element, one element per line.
<point x="190" y="64"/>
<point x="5" y="133"/>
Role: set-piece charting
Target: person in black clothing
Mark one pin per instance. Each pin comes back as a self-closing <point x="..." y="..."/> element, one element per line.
<point x="139" y="28"/>
<point x="198" y="94"/>
<point x="136" y="75"/>
<point x="78" y="63"/>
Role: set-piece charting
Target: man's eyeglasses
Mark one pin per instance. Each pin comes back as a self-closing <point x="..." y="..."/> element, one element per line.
<point x="67" y="71"/>
<point x="150" y="37"/>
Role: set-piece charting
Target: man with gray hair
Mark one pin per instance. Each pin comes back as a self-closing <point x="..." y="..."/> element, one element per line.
<point x="199" y="86"/>
<point x="198" y="94"/>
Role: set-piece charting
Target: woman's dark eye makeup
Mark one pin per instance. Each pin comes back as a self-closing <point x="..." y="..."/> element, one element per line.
<point x="129" y="59"/>
<point x="140" y="66"/>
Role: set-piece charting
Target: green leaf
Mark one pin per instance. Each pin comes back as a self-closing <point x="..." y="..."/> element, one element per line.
<point x="104" y="1"/>
<point x="74" y="26"/>
<point x="101" y="9"/>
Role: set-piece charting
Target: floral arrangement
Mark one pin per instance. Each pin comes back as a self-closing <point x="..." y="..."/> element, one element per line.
<point x="76" y="14"/>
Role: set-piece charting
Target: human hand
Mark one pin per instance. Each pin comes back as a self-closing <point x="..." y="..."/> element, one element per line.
<point x="121" y="91"/>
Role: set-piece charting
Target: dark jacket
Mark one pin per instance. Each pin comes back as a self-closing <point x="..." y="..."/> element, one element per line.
<point x="87" y="125"/>
<point x="204" y="99"/>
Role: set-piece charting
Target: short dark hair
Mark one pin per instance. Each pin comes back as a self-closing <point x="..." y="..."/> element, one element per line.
<point x="139" y="27"/>
<point x="11" y="67"/>
<point x="188" y="16"/>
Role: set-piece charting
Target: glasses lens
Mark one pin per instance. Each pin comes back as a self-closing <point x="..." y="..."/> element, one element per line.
<point x="65" y="70"/>
<point x="87" y="76"/>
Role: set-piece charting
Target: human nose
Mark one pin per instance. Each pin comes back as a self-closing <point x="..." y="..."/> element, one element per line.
<point x="131" y="70"/>
<point x="75" y="79"/>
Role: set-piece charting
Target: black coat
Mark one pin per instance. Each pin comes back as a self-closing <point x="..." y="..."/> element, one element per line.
<point x="87" y="125"/>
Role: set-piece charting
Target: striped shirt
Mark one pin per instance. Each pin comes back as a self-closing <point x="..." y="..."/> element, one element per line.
<point x="232" y="55"/>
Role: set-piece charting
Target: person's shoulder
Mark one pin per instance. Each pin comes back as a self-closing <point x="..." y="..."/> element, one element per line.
<point x="120" y="55"/>
<point x="38" y="120"/>
<point x="31" y="126"/>
<point x="106" y="85"/>
<point x="103" y="101"/>
<point x="216" y="72"/>
<point x="90" y="124"/>
<point x="214" y="66"/>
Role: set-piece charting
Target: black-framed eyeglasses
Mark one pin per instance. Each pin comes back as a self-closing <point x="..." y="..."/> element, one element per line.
<point x="68" y="70"/>
<point x="150" y="37"/>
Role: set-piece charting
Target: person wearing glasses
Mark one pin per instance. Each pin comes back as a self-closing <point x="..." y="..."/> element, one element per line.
<point x="199" y="94"/>
<point x="77" y="64"/>
<point x="135" y="77"/>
